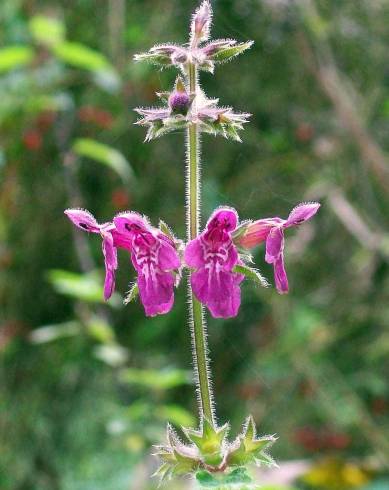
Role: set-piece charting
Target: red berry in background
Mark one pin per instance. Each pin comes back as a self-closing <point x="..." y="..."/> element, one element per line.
<point x="120" y="199"/>
<point x="94" y="115"/>
<point x="32" y="140"/>
<point x="45" y="120"/>
<point x="308" y="438"/>
<point x="379" y="406"/>
<point x="304" y="132"/>
<point x="336" y="440"/>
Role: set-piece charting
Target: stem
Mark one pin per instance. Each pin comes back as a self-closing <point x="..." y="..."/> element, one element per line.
<point x="198" y="327"/>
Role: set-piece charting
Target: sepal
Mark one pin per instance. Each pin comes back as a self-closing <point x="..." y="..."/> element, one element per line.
<point x="223" y="50"/>
<point x="164" y="55"/>
<point x="132" y="294"/>
<point x="209" y="441"/>
<point x="251" y="274"/>
<point x="248" y="448"/>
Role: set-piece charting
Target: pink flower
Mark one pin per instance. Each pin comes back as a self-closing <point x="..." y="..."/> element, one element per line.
<point x="155" y="259"/>
<point x="153" y="255"/>
<point x="272" y="230"/>
<point x="213" y="256"/>
<point x="85" y="220"/>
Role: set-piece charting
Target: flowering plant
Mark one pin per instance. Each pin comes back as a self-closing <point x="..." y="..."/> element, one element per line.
<point x="217" y="260"/>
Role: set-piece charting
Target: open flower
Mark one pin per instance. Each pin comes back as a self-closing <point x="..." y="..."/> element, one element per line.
<point x="213" y="255"/>
<point x="272" y="230"/>
<point x="111" y="240"/>
<point x="155" y="259"/>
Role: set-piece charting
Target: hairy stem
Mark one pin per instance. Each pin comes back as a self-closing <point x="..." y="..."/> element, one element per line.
<point x="198" y="327"/>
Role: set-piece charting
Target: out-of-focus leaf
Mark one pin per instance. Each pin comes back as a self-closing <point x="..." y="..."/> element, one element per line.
<point x="47" y="30"/>
<point x="85" y="287"/>
<point x="48" y="333"/>
<point x="108" y="80"/>
<point x="112" y="354"/>
<point x="81" y="56"/>
<point x="101" y="330"/>
<point x="14" y="57"/>
<point x="175" y="415"/>
<point x="154" y="379"/>
<point x="104" y="154"/>
<point x="57" y="102"/>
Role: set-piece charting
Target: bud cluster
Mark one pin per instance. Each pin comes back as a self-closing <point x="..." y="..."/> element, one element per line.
<point x="208" y="452"/>
<point x="183" y="108"/>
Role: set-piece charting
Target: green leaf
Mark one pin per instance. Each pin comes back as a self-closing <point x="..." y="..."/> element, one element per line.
<point x="174" y="414"/>
<point x="156" y="379"/>
<point x="12" y="57"/>
<point x="49" y="333"/>
<point x="112" y="354"/>
<point x="101" y="153"/>
<point x="47" y="30"/>
<point x="226" y="54"/>
<point x="132" y="294"/>
<point x="236" y="476"/>
<point x="100" y="330"/>
<point x="85" y="287"/>
<point x="252" y="274"/>
<point x="166" y="230"/>
<point x="81" y="56"/>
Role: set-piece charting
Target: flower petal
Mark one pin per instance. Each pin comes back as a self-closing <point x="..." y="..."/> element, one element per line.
<point x="301" y="213"/>
<point x="131" y="221"/>
<point x="111" y="264"/>
<point x="194" y="253"/>
<point x="83" y="219"/>
<point x="257" y="232"/>
<point x="274" y="244"/>
<point x="219" y="291"/>
<point x="155" y="290"/>
<point x="168" y="258"/>
<point x="280" y="276"/>
<point x="227" y="218"/>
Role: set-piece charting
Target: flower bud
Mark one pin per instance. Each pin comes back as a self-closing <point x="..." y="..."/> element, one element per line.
<point x="201" y="22"/>
<point x="179" y="100"/>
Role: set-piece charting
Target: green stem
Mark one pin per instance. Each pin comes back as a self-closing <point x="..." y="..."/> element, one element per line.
<point x="198" y="327"/>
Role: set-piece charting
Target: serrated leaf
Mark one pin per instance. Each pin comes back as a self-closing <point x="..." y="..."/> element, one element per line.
<point x="132" y="294"/>
<point x="104" y="154"/>
<point x="226" y="54"/>
<point x="252" y="274"/>
<point x="12" y="57"/>
<point x="47" y="30"/>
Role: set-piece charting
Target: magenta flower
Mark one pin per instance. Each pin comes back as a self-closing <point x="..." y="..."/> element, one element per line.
<point x="272" y="230"/>
<point x="213" y="256"/>
<point x="155" y="259"/>
<point x="85" y="220"/>
<point x="152" y="253"/>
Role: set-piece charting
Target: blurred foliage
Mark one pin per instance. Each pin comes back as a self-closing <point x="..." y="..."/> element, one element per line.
<point x="86" y="388"/>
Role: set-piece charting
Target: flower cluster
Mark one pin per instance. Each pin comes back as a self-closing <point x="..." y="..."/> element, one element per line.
<point x="216" y="258"/>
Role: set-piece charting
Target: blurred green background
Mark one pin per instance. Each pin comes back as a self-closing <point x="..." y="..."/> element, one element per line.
<point x="86" y="388"/>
